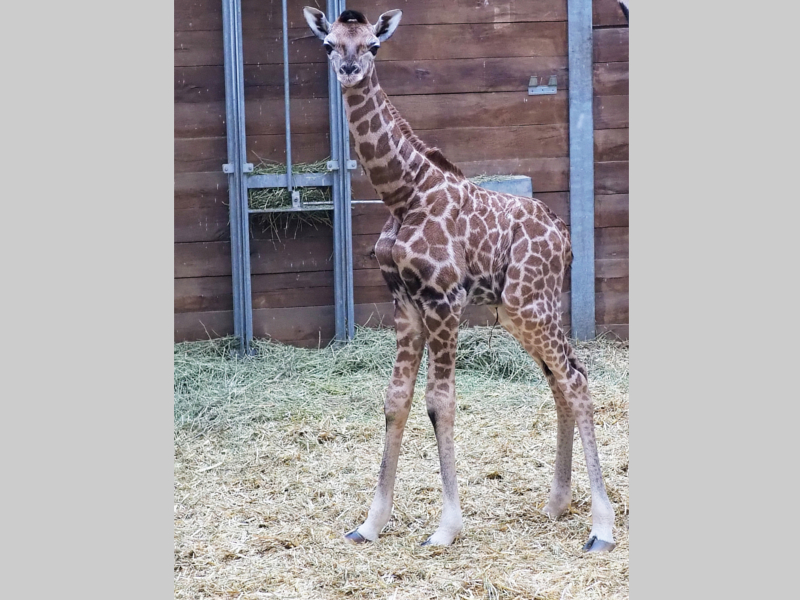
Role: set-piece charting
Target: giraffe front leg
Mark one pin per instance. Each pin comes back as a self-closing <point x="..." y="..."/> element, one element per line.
<point x="440" y="400"/>
<point x="410" y="344"/>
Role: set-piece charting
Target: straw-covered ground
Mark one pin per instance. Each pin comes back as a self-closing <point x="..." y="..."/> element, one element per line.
<point x="277" y="456"/>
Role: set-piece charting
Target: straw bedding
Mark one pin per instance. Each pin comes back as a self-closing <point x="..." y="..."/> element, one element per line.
<point x="277" y="456"/>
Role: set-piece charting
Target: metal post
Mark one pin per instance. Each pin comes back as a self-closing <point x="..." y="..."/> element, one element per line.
<point x="236" y="167"/>
<point x="295" y="197"/>
<point x="581" y="167"/>
<point x="342" y="229"/>
<point x="347" y="226"/>
<point x="238" y="183"/>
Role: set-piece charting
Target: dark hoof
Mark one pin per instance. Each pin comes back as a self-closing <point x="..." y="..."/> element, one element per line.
<point x="426" y="542"/>
<point x="355" y="537"/>
<point x="595" y="545"/>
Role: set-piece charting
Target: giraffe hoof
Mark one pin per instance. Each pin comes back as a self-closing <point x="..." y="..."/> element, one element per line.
<point x="596" y="545"/>
<point x="355" y="538"/>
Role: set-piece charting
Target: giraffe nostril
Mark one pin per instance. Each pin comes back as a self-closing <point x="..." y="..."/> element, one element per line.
<point x="348" y="69"/>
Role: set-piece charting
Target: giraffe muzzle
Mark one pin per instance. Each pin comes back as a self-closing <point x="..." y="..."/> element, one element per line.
<point x="350" y="69"/>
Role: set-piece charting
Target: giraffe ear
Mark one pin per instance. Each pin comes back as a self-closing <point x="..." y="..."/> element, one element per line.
<point x="387" y="23"/>
<point x="317" y="21"/>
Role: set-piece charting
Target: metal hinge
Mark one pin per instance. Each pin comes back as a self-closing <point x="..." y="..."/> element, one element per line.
<point x="534" y="89"/>
<point x="246" y="168"/>
<point x="333" y="165"/>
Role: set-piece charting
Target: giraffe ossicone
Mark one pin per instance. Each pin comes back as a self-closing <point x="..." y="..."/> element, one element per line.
<point x="447" y="243"/>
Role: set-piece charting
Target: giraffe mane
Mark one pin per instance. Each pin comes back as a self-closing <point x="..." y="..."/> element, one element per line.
<point x="352" y="15"/>
<point x="432" y="154"/>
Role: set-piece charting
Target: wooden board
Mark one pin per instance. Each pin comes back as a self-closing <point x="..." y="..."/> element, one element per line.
<point x="207" y="83"/>
<point x="607" y="13"/>
<point x="202" y="224"/>
<point x="200" y="190"/>
<point x="611" y="177"/>
<point x="610" y="45"/>
<point x="413" y="42"/>
<point x="618" y="331"/>
<point x="611" y="242"/>
<point x="440" y="111"/>
<point x="207" y="119"/>
<point x="490" y="143"/>
<point x="611" y="307"/>
<point x="194" y="326"/>
<point x="198" y="15"/>
<point x="210" y="259"/>
<point x="610" y="112"/>
<point x="610" y="145"/>
<point x="612" y="284"/>
<point x="402" y="77"/>
<point x="610" y="79"/>
<point x="611" y="210"/>
<point x="281" y="290"/>
<point x="195" y="155"/>
<point x="611" y="267"/>
<point x="268" y="291"/>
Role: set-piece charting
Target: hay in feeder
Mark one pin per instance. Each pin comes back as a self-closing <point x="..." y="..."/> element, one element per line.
<point x="276" y="456"/>
<point x="481" y="179"/>
<point x="266" y="198"/>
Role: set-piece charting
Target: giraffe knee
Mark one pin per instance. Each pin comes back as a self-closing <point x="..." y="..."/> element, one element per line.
<point x="432" y="417"/>
<point x="577" y="365"/>
<point x="396" y="409"/>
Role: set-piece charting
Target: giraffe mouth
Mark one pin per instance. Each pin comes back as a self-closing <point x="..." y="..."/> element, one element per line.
<point x="350" y="80"/>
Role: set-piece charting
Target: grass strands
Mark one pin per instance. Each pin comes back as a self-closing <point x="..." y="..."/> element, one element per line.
<point x="265" y="198"/>
<point x="483" y="178"/>
<point x="277" y="455"/>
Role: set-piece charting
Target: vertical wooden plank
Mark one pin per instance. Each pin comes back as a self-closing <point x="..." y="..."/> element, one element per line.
<point x="581" y="172"/>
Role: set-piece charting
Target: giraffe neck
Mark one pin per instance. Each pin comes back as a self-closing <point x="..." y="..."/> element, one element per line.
<point x="385" y="145"/>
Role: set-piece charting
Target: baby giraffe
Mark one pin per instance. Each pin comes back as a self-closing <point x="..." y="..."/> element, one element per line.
<point x="449" y="242"/>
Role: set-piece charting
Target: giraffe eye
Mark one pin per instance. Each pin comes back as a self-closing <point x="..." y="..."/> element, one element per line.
<point x="328" y="47"/>
<point x="374" y="49"/>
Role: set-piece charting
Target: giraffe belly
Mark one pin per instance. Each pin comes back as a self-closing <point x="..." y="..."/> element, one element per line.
<point x="484" y="291"/>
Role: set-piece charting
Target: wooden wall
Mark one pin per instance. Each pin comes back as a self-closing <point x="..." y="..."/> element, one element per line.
<point x="457" y="70"/>
<point x="611" y="167"/>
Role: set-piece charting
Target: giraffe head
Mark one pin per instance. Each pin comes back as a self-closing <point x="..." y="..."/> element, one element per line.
<point x="350" y="41"/>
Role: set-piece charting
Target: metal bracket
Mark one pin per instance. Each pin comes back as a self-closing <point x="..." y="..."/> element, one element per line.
<point x="246" y="168"/>
<point x="534" y="89"/>
<point x="333" y="165"/>
<point x="295" y="199"/>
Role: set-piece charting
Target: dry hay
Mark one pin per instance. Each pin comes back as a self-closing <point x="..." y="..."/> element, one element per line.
<point x="484" y="178"/>
<point x="265" y="198"/>
<point x="277" y="456"/>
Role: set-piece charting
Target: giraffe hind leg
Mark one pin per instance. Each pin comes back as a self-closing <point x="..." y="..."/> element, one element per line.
<point x="542" y="337"/>
<point x="441" y="322"/>
<point x="561" y="488"/>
